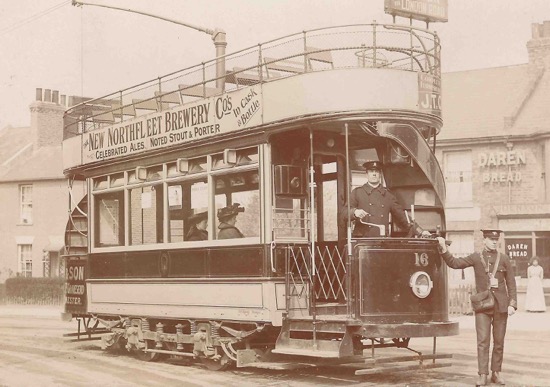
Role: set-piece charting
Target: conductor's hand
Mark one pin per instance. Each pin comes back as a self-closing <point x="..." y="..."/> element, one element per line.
<point x="511" y="310"/>
<point x="426" y="234"/>
<point x="442" y="245"/>
<point x="359" y="213"/>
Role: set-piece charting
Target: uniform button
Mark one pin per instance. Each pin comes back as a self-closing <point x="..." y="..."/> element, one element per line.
<point x="370" y="204"/>
<point x="381" y="216"/>
<point x="382" y="206"/>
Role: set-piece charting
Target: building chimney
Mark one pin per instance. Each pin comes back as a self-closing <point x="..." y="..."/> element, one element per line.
<point x="47" y="119"/>
<point x="539" y="45"/>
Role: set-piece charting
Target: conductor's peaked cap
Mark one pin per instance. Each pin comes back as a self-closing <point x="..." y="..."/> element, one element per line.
<point x="491" y="233"/>
<point x="373" y="165"/>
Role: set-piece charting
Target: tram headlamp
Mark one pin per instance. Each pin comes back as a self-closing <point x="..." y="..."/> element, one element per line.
<point x="421" y="284"/>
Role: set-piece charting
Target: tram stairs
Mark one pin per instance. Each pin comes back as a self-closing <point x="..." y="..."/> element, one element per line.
<point x="76" y="232"/>
<point x="321" y="336"/>
<point x="316" y="322"/>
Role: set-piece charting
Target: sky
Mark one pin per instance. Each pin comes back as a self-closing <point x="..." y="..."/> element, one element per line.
<point x="93" y="51"/>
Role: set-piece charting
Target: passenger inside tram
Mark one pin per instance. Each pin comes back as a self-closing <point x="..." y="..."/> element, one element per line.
<point x="374" y="207"/>
<point x="228" y="218"/>
<point x="198" y="230"/>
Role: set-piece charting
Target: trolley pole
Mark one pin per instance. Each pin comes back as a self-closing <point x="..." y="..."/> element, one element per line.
<point x="218" y="36"/>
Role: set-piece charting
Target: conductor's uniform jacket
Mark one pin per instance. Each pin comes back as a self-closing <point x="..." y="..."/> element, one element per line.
<point x="378" y="202"/>
<point x="505" y="295"/>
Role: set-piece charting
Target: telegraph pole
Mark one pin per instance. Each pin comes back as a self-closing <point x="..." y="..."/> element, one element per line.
<point x="218" y="37"/>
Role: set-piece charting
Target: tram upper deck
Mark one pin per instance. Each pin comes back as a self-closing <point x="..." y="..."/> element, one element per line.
<point x="373" y="71"/>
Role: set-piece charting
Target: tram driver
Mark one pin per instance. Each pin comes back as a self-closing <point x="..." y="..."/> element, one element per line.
<point x="199" y="224"/>
<point x="372" y="203"/>
<point x="228" y="218"/>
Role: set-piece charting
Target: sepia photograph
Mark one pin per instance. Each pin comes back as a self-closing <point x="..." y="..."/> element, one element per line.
<point x="274" y="193"/>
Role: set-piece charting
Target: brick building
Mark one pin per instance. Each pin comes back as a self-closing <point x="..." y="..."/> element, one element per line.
<point x="34" y="199"/>
<point x="495" y="154"/>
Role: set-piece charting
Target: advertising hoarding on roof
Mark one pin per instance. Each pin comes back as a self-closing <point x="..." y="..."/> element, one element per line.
<point x="425" y="10"/>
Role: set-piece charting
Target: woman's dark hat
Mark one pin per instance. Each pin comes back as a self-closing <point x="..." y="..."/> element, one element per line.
<point x="229" y="211"/>
<point x="373" y="165"/>
<point x="196" y="218"/>
<point x="491" y="233"/>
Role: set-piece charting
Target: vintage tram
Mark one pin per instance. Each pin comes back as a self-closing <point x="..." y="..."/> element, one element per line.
<point x="282" y="130"/>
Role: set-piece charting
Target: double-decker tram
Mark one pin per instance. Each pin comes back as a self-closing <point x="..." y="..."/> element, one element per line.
<point x="275" y="140"/>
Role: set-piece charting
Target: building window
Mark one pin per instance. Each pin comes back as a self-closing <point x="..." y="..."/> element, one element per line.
<point x="24" y="253"/>
<point x="25" y="199"/>
<point x="458" y="178"/>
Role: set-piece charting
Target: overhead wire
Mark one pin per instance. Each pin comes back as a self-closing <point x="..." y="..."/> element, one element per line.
<point x="23" y="22"/>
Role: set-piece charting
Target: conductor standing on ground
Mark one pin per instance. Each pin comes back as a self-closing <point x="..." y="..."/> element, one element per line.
<point x="503" y="287"/>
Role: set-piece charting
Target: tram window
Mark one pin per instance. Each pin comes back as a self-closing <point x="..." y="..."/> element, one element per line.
<point x="188" y="166"/>
<point x="109" y="219"/>
<point x="235" y="158"/>
<point x="289" y="218"/>
<point x="146" y="210"/>
<point x="330" y="211"/>
<point x="116" y="180"/>
<point x="132" y="178"/>
<point x="172" y="170"/>
<point x="100" y="183"/>
<point x="154" y="173"/>
<point x="185" y="200"/>
<point x="242" y="188"/>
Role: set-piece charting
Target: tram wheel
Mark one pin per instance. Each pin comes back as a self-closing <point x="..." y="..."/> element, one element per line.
<point x="217" y="365"/>
<point x="148" y="356"/>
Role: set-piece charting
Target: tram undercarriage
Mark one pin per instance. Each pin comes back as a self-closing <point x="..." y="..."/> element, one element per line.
<point x="219" y="345"/>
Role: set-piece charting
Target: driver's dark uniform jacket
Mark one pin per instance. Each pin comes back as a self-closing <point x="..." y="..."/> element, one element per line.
<point x="378" y="202"/>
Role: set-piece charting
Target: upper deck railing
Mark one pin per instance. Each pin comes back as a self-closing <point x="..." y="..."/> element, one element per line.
<point x="353" y="46"/>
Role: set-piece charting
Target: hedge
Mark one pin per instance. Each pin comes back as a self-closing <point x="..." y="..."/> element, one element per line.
<point x="29" y="290"/>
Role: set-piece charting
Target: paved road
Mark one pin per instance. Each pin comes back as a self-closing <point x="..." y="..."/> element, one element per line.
<point x="33" y="352"/>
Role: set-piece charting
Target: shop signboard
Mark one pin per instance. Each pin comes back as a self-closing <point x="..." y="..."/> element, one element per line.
<point x="425" y="10"/>
<point x="520" y="250"/>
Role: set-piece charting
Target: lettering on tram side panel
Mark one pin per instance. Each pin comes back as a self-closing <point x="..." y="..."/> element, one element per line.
<point x="193" y="121"/>
<point x="429" y="93"/>
<point x="75" y="288"/>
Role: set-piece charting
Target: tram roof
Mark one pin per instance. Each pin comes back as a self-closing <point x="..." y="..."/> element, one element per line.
<point x="364" y="68"/>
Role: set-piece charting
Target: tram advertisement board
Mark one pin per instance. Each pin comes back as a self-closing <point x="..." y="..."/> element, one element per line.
<point x="429" y="93"/>
<point x="75" y="288"/>
<point x="425" y="10"/>
<point x="201" y="119"/>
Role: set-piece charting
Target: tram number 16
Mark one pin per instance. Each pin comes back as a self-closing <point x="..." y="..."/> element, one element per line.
<point x="421" y="259"/>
